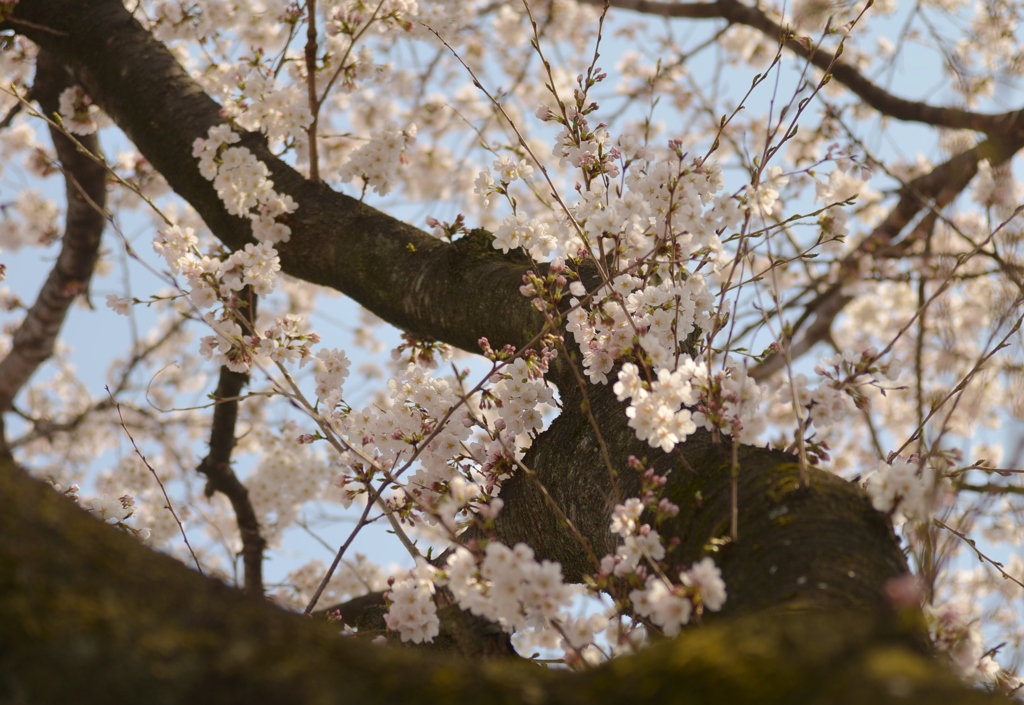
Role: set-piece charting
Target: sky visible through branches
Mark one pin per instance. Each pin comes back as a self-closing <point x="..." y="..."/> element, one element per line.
<point x="870" y="150"/>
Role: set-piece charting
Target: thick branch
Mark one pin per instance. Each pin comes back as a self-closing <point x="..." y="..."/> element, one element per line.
<point x="351" y="611"/>
<point x="454" y="294"/>
<point x="85" y="187"/>
<point x="822" y="547"/>
<point x="91" y="616"/>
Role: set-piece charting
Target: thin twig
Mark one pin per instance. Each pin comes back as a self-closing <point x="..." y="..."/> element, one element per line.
<point x="981" y="556"/>
<point x="314" y="104"/>
<point x="370" y="502"/>
<point x="169" y="506"/>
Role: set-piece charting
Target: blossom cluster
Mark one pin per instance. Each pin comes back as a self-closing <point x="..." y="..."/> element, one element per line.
<point x="444" y="450"/>
<point x="518" y="230"/>
<point x="906" y="488"/>
<point x="376" y="163"/>
<point x="112" y="510"/>
<point x="288" y="474"/>
<point x="279" y="112"/>
<point x="655" y="415"/>
<point x="522" y="396"/>
<point x="826" y="403"/>
<point x="845" y="375"/>
<point x="728" y="401"/>
<point x="648" y="306"/>
<point x="670" y="606"/>
<point x="255" y="265"/>
<point x="655" y="318"/>
<point x="332" y="370"/>
<point x="640" y="562"/>
<point x="409" y="424"/>
<point x="765" y="193"/>
<point x="213" y="279"/>
<point x="355" y="15"/>
<point x="960" y="639"/>
<point x="994" y="188"/>
<point x="243" y="184"/>
<point x="412" y="612"/>
<point x="509" y="586"/>
<point x="587" y="148"/>
<point x="286" y="341"/>
<point x="30" y="220"/>
<point x="78" y="113"/>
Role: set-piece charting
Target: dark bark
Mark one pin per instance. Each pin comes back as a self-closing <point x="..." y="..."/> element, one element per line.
<point x="85" y="186"/>
<point x="103" y="612"/>
<point x="88" y="615"/>
<point x="216" y="466"/>
<point x="823" y="546"/>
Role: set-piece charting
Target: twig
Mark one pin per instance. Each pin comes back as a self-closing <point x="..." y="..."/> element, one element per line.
<point x="169" y="506"/>
<point x="370" y="501"/>
<point x="981" y="556"/>
<point x="314" y="103"/>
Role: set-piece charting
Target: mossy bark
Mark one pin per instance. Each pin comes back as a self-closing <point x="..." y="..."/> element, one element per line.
<point x="88" y="615"/>
<point x="823" y="547"/>
<point x="820" y="546"/>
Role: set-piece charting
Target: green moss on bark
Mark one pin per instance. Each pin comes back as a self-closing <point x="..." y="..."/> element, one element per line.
<point x="88" y="615"/>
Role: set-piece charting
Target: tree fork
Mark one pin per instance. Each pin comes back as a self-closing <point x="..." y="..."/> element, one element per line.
<point x="823" y="547"/>
<point x="419" y="284"/>
<point x="399" y="272"/>
<point x="92" y="605"/>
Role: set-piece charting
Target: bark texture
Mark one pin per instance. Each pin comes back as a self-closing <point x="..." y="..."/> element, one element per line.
<point x="88" y="615"/>
<point x="86" y="190"/>
<point x="805" y="621"/>
<point x="402" y="274"/>
<point x="823" y="546"/>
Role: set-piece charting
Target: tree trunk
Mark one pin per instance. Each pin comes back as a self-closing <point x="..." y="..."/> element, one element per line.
<point x="87" y="614"/>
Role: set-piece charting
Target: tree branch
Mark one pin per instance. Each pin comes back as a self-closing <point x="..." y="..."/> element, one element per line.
<point x="933" y="192"/>
<point x="115" y="619"/>
<point x="85" y="186"/>
<point x="872" y="94"/>
<point x="821" y="547"/>
<point x="455" y="294"/>
<point x="216" y="466"/>
<point x="991" y="488"/>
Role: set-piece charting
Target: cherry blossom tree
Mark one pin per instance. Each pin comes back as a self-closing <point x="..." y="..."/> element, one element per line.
<point x="697" y="372"/>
